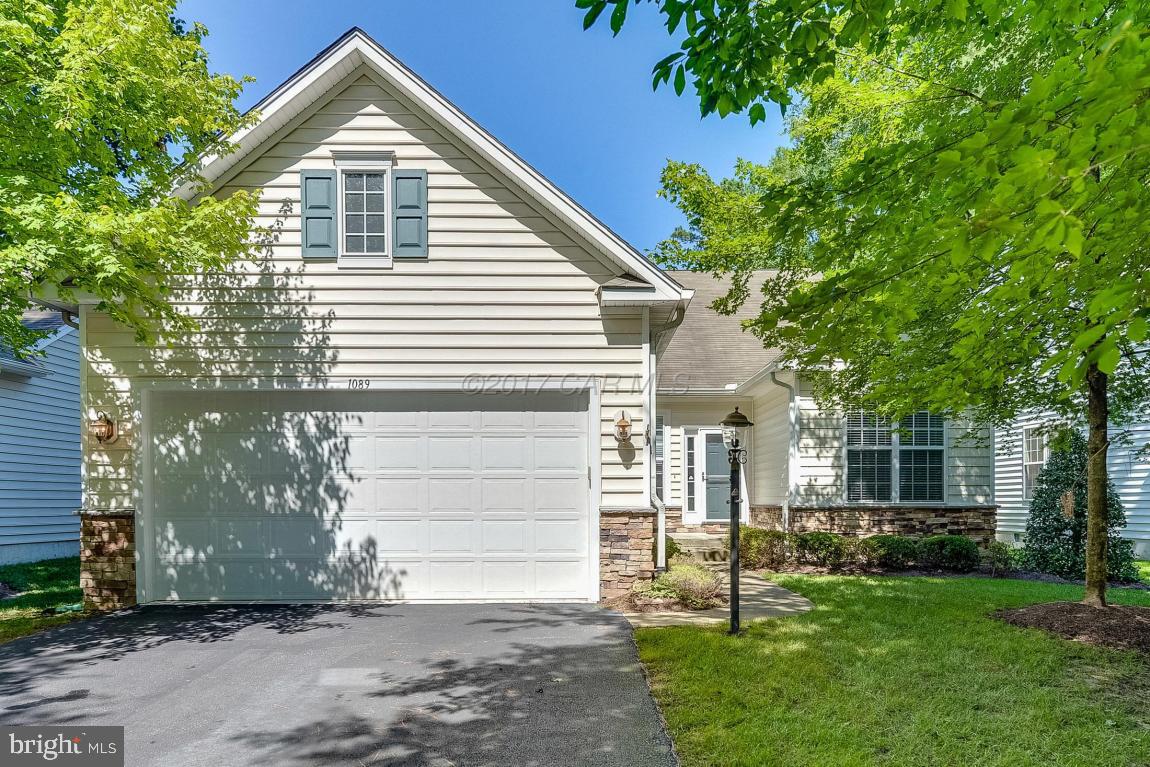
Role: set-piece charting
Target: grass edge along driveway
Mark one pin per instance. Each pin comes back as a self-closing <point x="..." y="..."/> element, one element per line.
<point x="48" y="583"/>
<point x="901" y="671"/>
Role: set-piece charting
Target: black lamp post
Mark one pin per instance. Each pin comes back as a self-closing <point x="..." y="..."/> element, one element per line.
<point x="735" y="428"/>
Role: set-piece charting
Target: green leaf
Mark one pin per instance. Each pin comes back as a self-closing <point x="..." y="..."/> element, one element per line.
<point x="1109" y="357"/>
<point x="618" y="16"/>
<point x="593" y="14"/>
<point x="956" y="9"/>
<point x="680" y="79"/>
<point x="758" y="113"/>
<point x="1136" y="330"/>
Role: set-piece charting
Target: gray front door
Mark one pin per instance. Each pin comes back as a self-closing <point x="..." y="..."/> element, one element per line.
<point x="717" y="478"/>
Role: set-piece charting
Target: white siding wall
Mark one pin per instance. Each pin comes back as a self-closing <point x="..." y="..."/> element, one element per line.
<point x="1129" y="471"/>
<point x="40" y="457"/>
<point x="506" y="291"/>
<point x="819" y="477"/>
<point x="771" y="439"/>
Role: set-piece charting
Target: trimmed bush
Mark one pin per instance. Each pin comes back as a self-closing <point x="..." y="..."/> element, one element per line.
<point x="949" y="552"/>
<point x="1055" y="539"/>
<point x="1001" y="557"/>
<point x="761" y="549"/>
<point x="890" y="551"/>
<point x="823" y="549"/>
<point x="694" y="585"/>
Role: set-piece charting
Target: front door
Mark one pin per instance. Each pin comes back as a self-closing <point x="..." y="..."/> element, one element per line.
<point x="716" y="477"/>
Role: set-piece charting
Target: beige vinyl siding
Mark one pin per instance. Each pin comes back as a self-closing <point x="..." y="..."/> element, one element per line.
<point x="682" y="413"/>
<point x="820" y="472"/>
<point x="771" y="443"/>
<point x="506" y="291"/>
<point x="1128" y="466"/>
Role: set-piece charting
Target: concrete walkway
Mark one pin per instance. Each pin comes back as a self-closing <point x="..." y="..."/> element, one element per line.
<point x="758" y="598"/>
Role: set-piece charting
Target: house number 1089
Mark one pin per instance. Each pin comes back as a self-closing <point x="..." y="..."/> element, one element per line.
<point x="359" y="383"/>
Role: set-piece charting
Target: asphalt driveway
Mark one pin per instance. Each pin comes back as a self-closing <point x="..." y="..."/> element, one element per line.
<point x="346" y="685"/>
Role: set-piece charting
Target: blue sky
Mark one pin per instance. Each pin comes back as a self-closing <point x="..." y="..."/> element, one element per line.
<point x="577" y="105"/>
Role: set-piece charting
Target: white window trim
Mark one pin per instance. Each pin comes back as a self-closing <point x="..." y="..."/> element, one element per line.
<point x="698" y="515"/>
<point x="1026" y="494"/>
<point x="360" y="162"/>
<point x="894" y="447"/>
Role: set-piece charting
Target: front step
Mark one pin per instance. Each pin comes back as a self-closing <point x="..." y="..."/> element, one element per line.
<point x="706" y="547"/>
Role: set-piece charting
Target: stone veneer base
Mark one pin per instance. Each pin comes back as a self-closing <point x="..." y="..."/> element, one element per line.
<point x="626" y="549"/>
<point x="975" y="522"/>
<point x="108" y="559"/>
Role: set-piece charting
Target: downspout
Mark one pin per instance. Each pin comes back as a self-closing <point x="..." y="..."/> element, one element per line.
<point x="657" y="332"/>
<point x="792" y="433"/>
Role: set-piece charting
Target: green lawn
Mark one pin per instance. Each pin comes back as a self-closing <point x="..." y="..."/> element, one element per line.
<point x="901" y="671"/>
<point x="50" y="583"/>
<point x="1144" y="570"/>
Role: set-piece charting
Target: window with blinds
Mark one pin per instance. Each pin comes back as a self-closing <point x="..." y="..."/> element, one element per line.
<point x="876" y="453"/>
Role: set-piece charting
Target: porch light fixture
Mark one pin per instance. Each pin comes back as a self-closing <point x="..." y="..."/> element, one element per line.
<point x="736" y="427"/>
<point x="103" y="429"/>
<point x="622" y="426"/>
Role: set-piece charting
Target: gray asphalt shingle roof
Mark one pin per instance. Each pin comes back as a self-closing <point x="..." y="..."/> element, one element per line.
<point x="711" y="350"/>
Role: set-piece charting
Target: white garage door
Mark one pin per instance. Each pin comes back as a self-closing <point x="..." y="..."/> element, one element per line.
<point x="357" y="495"/>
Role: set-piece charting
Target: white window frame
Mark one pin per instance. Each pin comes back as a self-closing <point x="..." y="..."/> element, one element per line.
<point x="1040" y="432"/>
<point x="661" y="462"/>
<point x="365" y="162"/>
<point x="895" y="448"/>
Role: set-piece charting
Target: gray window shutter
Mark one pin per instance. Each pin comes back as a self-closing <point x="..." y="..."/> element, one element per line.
<point x="409" y="213"/>
<point x="317" y="214"/>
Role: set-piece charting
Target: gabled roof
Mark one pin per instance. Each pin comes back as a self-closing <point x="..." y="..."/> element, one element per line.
<point x="710" y="352"/>
<point x="355" y="49"/>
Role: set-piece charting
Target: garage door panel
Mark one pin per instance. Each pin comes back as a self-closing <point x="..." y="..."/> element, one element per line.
<point x="506" y="579"/>
<point x="292" y="495"/>
<point x="451" y="536"/>
<point x="403" y="495"/>
<point x="400" y="453"/>
<point x="449" y="453"/>
<point x="504" y="536"/>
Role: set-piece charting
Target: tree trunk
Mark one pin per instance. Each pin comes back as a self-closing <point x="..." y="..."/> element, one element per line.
<point x="1097" y="415"/>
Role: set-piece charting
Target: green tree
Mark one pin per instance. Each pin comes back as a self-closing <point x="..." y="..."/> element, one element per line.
<point x="1056" y="527"/>
<point x="105" y="108"/>
<point x="960" y="221"/>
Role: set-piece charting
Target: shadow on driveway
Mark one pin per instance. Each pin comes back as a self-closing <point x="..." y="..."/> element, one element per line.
<point x="333" y="685"/>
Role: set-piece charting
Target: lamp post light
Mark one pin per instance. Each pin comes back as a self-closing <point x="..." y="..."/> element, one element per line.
<point x="735" y="430"/>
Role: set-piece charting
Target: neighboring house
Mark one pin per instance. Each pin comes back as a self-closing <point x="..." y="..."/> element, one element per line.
<point x="418" y="389"/>
<point x="1022" y="451"/>
<point x="40" y="452"/>
<point x="807" y="469"/>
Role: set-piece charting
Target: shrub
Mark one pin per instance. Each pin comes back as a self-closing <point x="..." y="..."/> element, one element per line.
<point x="761" y="549"/>
<point x="949" y="552"/>
<point x="891" y="551"/>
<point x="671" y="548"/>
<point x="823" y="549"/>
<point x="1055" y="540"/>
<point x="694" y="585"/>
<point x="1001" y="557"/>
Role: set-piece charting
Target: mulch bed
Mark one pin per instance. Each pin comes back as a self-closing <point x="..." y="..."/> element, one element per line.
<point x="1123" y="627"/>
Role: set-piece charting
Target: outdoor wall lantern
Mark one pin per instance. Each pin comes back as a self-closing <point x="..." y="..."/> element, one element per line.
<point x="103" y="429"/>
<point x="622" y="426"/>
<point x="736" y="427"/>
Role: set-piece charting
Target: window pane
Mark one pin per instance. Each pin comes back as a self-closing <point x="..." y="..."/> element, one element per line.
<point x="353" y="243"/>
<point x="866" y="429"/>
<point x="376" y="224"/>
<point x="922" y="430"/>
<point x="353" y="182"/>
<point x="375" y="182"/>
<point x="690" y="451"/>
<point x="376" y="203"/>
<point x="353" y="224"/>
<point x="920" y="475"/>
<point x="353" y="203"/>
<point x="868" y="475"/>
<point x="375" y="243"/>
